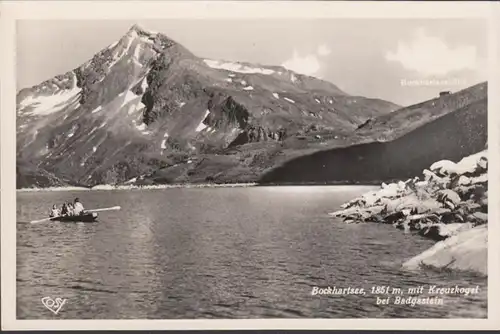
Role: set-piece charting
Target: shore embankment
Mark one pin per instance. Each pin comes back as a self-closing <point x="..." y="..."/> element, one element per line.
<point x="448" y="203"/>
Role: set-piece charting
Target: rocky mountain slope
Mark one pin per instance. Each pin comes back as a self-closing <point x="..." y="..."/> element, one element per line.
<point x="395" y="146"/>
<point x="146" y="105"/>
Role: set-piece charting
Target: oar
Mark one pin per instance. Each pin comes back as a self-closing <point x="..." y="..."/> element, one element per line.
<point x="42" y="220"/>
<point x="104" y="209"/>
<point x="93" y="210"/>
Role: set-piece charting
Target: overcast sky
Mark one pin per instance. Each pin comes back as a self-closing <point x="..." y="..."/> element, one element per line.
<point x="369" y="57"/>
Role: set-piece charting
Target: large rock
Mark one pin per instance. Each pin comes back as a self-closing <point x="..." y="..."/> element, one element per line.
<point x="465" y="251"/>
<point x="449" y="198"/>
<point x="443" y="167"/>
<point x="442" y="231"/>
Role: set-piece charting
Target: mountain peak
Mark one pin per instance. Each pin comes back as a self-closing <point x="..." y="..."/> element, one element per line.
<point x="137" y="29"/>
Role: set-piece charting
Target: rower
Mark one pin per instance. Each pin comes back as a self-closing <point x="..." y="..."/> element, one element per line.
<point x="54" y="212"/>
<point x="78" y="207"/>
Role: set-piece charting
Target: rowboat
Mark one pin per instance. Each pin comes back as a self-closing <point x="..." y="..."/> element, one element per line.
<point x="89" y="216"/>
<point x="85" y="218"/>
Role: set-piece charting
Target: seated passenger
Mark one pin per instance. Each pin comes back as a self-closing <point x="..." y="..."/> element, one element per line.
<point x="54" y="212"/>
<point x="64" y="210"/>
<point x="71" y="209"/>
<point x="78" y="206"/>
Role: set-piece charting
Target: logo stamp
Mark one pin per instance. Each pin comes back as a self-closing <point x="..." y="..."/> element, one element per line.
<point x="53" y="305"/>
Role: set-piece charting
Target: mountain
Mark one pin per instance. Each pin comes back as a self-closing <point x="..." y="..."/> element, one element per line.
<point x="398" y="145"/>
<point x="145" y="109"/>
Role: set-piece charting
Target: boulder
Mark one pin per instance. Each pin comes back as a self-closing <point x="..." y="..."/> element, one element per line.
<point x="478" y="218"/>
<point x="469" y="164"/>
<point x="483" y="162"/>
<point x="443" y="167"/>
<point x="447" y="196"/>
<point x="442" y="231"/>
<point x="465" y="251"/>
<point x="463" y="180"/>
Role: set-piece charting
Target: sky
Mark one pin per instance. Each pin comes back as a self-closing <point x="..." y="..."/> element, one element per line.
<point x="405" y="61"/>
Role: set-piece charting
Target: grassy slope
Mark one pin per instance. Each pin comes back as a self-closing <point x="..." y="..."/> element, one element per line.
<point x="451" y="137"/>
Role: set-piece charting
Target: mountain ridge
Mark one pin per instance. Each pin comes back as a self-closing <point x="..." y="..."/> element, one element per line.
<point x="145" y="107"/>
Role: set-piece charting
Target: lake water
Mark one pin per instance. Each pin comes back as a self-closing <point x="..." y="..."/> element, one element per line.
<point x="219" y="253"/>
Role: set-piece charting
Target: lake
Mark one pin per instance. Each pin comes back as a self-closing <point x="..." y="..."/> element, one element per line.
<point x="254" y="252"/>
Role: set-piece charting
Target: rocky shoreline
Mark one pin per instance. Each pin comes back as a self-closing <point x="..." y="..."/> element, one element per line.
<point x="448" y="204"/>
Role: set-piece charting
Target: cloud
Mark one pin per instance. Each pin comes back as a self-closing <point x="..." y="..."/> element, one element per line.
<point x="309" y="64"/>
<point x="324" y="50"/>
<point x="429" y="55"/>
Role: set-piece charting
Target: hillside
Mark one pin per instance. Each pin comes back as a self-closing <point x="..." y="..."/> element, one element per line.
<point x="146" y="109"/>
<point x="398" y="145"/>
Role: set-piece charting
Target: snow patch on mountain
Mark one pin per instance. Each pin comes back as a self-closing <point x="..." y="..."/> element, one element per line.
<point x="276" y="95"/>
<point x="163" y="144"/>
<point x="130" y="38"/>
<point x="132" y="180"/>
<point x="144" y="84"/>
<point x="72" y="131"/>
<point x="235" y="67"/>
<point x="129" y="96"/>
<point x="202" y="126"/>
<point x="99" y="108"/>
<point x="47" y="104"/>
<point x="248" y="88"/>
<point x="137" y="51"/>
<point x="289" y="100"/>
<point x="137" y="54"/>
<point x="141" y="127"/>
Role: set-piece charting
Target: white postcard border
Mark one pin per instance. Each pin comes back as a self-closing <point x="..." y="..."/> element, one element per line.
<point x="49" y="10"/>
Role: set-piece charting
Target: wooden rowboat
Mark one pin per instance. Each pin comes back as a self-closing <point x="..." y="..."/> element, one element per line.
<point x="85" y="218"/>
<point x="89" y="216"/>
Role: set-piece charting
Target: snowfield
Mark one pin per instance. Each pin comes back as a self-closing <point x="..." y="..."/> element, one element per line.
<point x="47" y="104"/>
<point x="236" y="67"/>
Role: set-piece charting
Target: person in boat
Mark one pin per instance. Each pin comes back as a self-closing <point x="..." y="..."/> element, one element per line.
<point x="64" y="209"/>
<point x="71" y="209"/>
<point x="78" y="207"/>
<point x="54" y="212"/>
